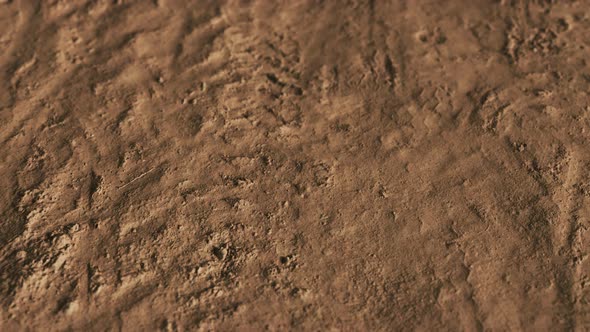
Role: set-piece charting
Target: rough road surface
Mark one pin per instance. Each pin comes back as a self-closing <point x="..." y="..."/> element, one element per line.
<point x="294" y="165"/>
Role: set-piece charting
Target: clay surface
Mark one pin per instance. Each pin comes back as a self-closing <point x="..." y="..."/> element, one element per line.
<point x="294" y="165"/>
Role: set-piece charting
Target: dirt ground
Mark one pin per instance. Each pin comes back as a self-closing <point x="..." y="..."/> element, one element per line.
<point x="294" y="165"/>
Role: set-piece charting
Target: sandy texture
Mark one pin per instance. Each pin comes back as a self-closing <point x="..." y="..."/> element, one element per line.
<point x="294" y="165"/>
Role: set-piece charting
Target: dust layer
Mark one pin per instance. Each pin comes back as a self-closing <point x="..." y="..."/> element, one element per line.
<point x="294" y="165"/>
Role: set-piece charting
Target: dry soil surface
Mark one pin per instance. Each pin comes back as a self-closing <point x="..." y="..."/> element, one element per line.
<point x="294" y="165"/>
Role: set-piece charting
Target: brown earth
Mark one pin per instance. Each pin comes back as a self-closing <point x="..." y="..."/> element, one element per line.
<point x="294" y="165"/>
